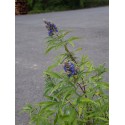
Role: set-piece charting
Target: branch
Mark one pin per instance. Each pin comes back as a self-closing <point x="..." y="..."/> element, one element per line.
<point x="72" y="58"/>
<point x="81" y="87"/>
<point x="66" y="49"/>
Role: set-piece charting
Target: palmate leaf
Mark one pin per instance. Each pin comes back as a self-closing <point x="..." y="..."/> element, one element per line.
<point x="60" y="58"/>
<point x="71" y="43"/>
<point x="60" y="44"/>
<point x="71" y="39"/>
<point x="62" y="34"/>
<point x="100" y="69"/>
<point x="83" y="62"/>
<point x="28" y="107"/>
<point x="51" y="39"/>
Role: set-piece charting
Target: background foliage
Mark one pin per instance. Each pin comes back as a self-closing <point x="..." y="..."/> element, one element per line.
<point x="36" y="6"/>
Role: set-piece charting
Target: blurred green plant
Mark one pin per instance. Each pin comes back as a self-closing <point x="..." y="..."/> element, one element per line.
<point x="58" y="5"/>
<point x="76" y="95"/>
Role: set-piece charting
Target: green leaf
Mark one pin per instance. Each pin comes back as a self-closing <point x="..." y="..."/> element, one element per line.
<point x="63" y="34"/>
<point x="48" y="108"/>
<point x="28" y="107"/>
<point x="78" y="49"/>
<point x="102" y="118"/>
<point x="67" y="94"/>
<point x="45" y="103"/>
<point x="87" y="100"/>
<point x="60" y="44"/>
<point x="53" y="74"/>
<point x="65" y="117"/>
<point x="61" y="58"/>
<point x="100" y="69"/>
<point x="52" y="66"/>
<point x="56" y="119"/>
<point x="105" y="84"/>
<point x="51" y="98"/>
<point x="55" y="88"/>
<point x="80" y="109"/>
<point x="71" y="43"/>
<point x="49" y="49"/>
<point x="73" y="38"/>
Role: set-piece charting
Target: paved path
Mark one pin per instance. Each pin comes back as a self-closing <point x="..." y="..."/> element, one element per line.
<point x="90" y="24"/>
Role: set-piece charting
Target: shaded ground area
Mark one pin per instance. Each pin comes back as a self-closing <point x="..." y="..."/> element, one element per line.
<point x="89" y="24"/>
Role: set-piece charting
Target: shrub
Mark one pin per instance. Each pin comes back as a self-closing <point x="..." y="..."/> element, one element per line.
<point x="76" y="95"/>
<point x="57" y="5"/>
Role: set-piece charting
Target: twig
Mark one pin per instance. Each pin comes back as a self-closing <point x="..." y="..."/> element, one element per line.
<point x="66" y="49"/>
<point x="65" y="46"/>
<point x="81" y="87"/>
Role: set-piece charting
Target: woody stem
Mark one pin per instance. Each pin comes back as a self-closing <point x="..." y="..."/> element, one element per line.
<point x="71" y="56"/>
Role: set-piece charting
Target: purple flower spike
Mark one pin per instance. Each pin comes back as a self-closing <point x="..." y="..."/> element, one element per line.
<point x="70" y="69"/>
<point x="52" y="29"/>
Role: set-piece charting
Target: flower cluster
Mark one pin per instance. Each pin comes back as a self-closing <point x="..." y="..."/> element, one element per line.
<point x="69" y="69"/>
<point x="51" y="28"/>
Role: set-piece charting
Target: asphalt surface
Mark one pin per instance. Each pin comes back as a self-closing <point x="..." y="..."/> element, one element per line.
<point x="92" y="25"/>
